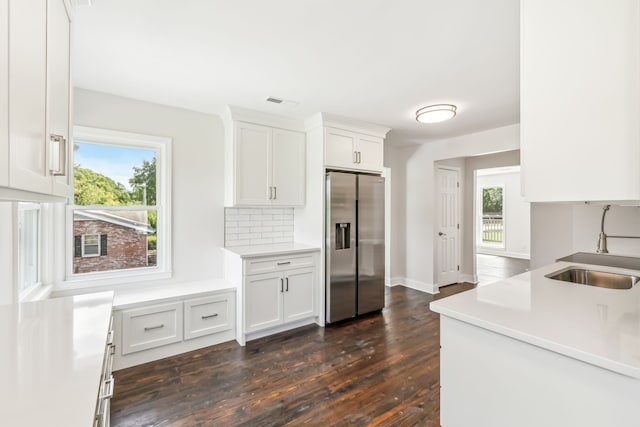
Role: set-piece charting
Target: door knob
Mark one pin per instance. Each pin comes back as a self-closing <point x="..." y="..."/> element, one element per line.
<point x="440" y="233"/>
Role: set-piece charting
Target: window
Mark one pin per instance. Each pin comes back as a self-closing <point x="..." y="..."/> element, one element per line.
<point x="28" y="247"/>
<point x="90" y="245"/>
<point x="492" y="216"/>
<point x="119" y="223"/>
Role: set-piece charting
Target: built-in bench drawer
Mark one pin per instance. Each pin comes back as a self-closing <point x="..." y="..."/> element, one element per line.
<point x="149" y="327"/>
<point x="208" y="315"/>
<point x="269" y="264"/>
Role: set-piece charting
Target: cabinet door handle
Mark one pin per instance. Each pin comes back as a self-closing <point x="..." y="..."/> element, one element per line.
<point x="151" y="328"/>
<point x="281" y="285"/>
<point x="209" y="316"/>
<point x="355" y="157"/>
<point x="270" y="193"/>
<point x="57" y="155"/>
<point x="359" y="157"/>
<point x="275" y="193"/>
<point x="287" y="279"/>
<point x="284" y="263"/>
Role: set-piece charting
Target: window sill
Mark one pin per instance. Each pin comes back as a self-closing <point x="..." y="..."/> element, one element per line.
<point x="106" y="281"/>
<point x="36" y="293"/>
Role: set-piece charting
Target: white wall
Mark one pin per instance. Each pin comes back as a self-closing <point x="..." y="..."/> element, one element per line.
<point x="558" y="230"/>
<point x="517" y="220"/>
<point x="198" y="173"/>
<point x="414" y="216"/>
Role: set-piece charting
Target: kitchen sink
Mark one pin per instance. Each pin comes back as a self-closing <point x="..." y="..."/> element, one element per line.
<point x="600" y="279"/>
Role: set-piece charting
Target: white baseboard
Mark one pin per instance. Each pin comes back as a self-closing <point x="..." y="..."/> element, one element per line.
<point x="469" y="278"/>
<point x="501" y="252"/>
<point x="415" y="284"/>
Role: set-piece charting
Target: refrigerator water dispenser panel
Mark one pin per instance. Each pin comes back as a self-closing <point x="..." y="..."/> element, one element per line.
<point x="343" y="235"/>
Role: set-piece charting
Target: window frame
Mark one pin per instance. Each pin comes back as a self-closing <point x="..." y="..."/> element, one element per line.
<point x="83" y="245"/>
<point x="25" y="293"/>
<point x="163" y="268"/>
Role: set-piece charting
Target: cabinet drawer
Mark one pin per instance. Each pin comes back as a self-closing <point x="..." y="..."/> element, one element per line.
<point x="208" y="315"/>
<point x="149" y="327"/>
<point x="267" y="265"/>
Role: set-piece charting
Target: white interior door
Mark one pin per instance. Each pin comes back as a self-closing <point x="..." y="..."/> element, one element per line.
<point x="448" y="224"/>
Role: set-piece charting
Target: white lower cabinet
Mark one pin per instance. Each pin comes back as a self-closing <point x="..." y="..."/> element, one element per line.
<point x="275" y="298"/>
<point x="207" y="315"/>
<point x="489" y="379"/>
<point x="148" y="327"/>
<point x="153" y="329"/>
<point x="275" y="293"/>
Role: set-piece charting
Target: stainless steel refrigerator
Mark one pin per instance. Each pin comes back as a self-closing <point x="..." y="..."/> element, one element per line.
<point x="354" y="245"/>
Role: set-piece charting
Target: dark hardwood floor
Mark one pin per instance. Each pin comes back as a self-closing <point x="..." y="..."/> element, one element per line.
<point x="382" y="370"/>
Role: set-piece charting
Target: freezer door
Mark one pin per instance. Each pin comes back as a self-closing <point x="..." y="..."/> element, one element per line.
<point x="370" y="243"/>
<point x="340" y="246"/>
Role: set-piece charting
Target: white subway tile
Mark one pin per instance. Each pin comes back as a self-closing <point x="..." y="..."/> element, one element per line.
<point x="272" y="235"/>
<point x="230" y="211"/>
<point x="249" y="223"/>
<point x="272" y="223"/>
<point x="261" y="229"/>
<point x="238" y="230"/>
<point x="238" y="217"/>
<point x="229" y="237"/>
<point x="230" y="224"/>
<point x="261" y="217"/>
<point x="239" y="243"/>
<point x="283" y="228"/>
<point x="249" y="211"/>
<point x="287" y="234"/>
<point x="261" y="241"/>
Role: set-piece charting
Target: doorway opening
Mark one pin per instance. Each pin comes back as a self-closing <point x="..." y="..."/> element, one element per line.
<point x="502" y="225"/>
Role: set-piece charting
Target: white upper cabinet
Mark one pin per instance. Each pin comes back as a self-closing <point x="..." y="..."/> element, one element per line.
<point x="35" y="121"/>
<point x="265" y="165"/>
<point x="580" y="100"/>
<point x="352" y="150"/>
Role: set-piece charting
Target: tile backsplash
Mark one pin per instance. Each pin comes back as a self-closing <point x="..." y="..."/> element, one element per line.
<point x="257" y="226"/>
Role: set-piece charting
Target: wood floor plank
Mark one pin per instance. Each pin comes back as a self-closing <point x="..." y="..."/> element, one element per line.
<point x="379" y="370"/>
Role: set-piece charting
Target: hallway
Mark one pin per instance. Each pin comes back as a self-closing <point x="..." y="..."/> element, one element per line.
<point x="491" y="268"/>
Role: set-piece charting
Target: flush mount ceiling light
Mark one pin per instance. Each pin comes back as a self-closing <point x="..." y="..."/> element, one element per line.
<point x="436" y="113"/>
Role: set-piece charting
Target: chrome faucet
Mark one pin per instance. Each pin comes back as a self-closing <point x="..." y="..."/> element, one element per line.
<point x="602" y="238"/>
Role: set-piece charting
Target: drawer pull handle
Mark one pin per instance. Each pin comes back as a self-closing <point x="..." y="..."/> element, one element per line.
<point x="284" y="263"/>
<point x="108" y="395"/>
<point x="209" y="316"/>
<point x="151" y="328"/>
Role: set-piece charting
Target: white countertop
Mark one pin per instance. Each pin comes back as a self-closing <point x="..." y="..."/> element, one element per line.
<point x="135" y="296"/>
<point x="596" y="325"/>
<point x="266" y="250"/>
<point x="51" y="358"/>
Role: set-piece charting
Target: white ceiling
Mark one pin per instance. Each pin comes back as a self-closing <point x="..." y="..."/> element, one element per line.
<point x="372" y="60"/>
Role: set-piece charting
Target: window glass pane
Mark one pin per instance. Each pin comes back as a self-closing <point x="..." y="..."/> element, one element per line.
<point x="108" y="240"/>
<point x="28" y="245"/>
<point x="492" y="216"/>
<point x="110" y="175"/>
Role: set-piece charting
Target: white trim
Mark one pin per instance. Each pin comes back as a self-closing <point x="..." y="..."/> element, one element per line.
<point x="469" y="278"/>
<point x="83" y="244"/>
<point x="415" y="284"/>
<point x="163" y="147"/>
<point x="26" y="293"/>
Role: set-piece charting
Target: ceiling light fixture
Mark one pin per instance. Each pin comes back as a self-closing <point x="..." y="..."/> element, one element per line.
<point x="436" y="113"/>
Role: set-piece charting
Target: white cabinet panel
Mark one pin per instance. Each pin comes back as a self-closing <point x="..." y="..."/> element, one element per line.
<point x="263" y="301"/>
<point x="370" y="153"/>
<point x="351" y="150"/>
<point x="268" y="166"/>
<point x="271" y="264"/>
<point x="298" y="294"/>
<point x="27" y="95"/>
<point x="207" y="315"/>
<point x="580" y="103"/>
<point x="149" y="327"/>
<point x="340" y="148"/>
<point x="289" y="165"/>
<point x="253" y="164"/>
<point x="58" y="93"/>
